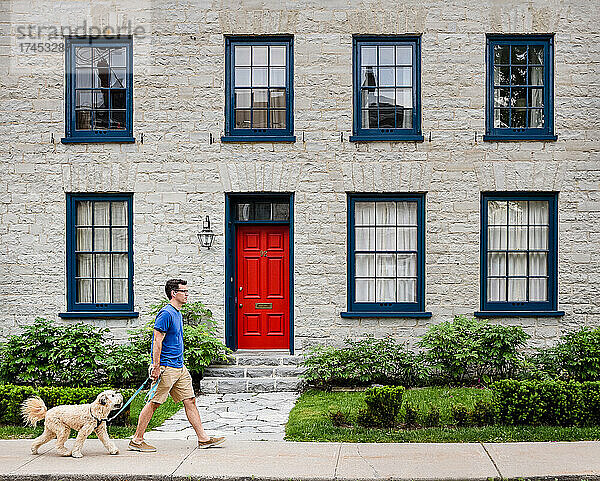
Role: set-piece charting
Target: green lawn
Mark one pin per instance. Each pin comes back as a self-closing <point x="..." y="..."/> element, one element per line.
<point x="310" y="420"/>
<point x="165" y="411"/>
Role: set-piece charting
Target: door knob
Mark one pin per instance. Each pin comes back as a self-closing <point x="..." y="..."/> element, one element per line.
<point x="240" y="306"/>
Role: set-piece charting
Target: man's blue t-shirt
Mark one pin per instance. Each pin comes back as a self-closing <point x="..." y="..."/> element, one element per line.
<point x="170" y="321"/>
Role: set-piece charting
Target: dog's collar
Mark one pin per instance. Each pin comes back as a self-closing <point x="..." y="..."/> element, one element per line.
<point x="98" y="421"/>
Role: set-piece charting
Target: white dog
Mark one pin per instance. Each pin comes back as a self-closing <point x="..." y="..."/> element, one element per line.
<point x="84" y="418"/>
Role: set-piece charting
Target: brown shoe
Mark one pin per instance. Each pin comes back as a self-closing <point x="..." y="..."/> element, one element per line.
<point x="211" y="442"/>
<point x="142" y="447"/>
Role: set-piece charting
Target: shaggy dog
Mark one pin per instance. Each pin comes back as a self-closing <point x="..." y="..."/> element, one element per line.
<point x="84" y="418"/>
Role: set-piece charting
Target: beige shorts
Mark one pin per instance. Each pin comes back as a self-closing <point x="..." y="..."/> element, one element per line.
<point x="174" y="381"/>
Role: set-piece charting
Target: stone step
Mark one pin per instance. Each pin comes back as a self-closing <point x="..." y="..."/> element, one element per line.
<point x="251" y="371"/>
<point x="222" y="385"/>
<point x="246" y="359"/>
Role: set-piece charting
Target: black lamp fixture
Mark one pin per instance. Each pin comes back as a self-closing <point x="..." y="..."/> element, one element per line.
<point x="207" y="235"/>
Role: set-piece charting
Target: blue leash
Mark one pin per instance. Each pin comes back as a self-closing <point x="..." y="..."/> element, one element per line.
<point x="147" y="398"/>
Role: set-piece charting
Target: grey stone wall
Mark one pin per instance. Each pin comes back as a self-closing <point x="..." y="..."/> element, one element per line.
<point x="178" y="177"/>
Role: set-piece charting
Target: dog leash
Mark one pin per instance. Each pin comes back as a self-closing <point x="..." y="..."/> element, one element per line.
<point x="147" y="398"/>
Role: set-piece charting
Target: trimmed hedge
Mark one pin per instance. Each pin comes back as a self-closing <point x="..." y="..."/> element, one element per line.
<point x="383" y="405"/>
<point x="12" y="396"/>
<point x="553" y="403"/>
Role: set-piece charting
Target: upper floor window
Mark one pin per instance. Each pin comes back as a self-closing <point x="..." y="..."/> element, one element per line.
<point x="99" y="93"/>
<point x="520" y="83"/>
<point x="519" y="252"/>
<point x="387" y="88"/>
<point x="99" y="252"/>
<point x="259" y="88"/>
<point x="386" y="254"/>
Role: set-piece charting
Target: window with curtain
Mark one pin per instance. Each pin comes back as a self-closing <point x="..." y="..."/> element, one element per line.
<point x="259" y="93"/>
<point x="99" y="93"/>
<point x="100" y="252"/>
<point x="520" y="247"/>
<point x="520" y="85"/>
<point x="387" y="84"/>
<point x="386" y="253"/>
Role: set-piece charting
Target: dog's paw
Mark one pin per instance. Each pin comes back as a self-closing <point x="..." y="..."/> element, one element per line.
<point x="77" y="454"/>
<point x="34" y="451"/>
<point x="114" y="450"/>
<point x="64" y="452"/>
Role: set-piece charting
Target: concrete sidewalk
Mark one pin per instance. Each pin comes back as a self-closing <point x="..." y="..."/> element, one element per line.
<point x="274" y="460"/>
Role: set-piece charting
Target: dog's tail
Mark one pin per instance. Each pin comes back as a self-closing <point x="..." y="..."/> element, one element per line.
<point x="33" y="410"/>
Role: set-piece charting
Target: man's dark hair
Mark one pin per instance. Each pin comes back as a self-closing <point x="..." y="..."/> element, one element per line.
<point x="173" y="285"/>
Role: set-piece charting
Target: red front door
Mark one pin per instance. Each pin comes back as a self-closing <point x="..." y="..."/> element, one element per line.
<point x="263" y="287"/>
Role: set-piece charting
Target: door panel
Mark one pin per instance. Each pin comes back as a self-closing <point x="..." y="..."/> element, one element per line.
<point x="263" y="286"/>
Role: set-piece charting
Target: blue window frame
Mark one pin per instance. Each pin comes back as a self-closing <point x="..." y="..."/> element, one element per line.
<point x="519" y="246"/>
<point x="99" y="89"/>
<point x="100" y="253"/>
<point x="387" y="88"/>
<point x="259" y="77"/>
<point x="520" y="85"/>
<point x="386" y="255"/>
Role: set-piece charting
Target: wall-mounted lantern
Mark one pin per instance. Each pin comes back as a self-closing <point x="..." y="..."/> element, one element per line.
<point x="207" y="235"/>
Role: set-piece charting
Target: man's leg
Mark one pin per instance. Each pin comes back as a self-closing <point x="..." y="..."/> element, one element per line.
<point x="191" y="411"/>
<point x="145" y="416"/>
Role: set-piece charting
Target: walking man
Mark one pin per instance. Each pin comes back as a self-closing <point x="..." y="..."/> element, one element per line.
<point x="168" y="370"/>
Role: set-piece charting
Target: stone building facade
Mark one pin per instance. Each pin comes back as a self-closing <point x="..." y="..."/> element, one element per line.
<point x="184" y="165"/>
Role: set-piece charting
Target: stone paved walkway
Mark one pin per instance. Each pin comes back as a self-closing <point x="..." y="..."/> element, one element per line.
<point x="245" y="416"/>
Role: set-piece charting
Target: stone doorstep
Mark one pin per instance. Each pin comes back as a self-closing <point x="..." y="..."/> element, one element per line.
<point x="210" y="385"/>
<point x="253" y="371"/>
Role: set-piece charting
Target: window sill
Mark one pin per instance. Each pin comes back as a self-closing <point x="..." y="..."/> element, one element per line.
<point x="519" y="313"/>
<point x="99" y="315"/>
<point x="257" y="138"/>
<point x="524" y="138"/>
<point x="387" y="138"/>
<point x="96" y="140"/>
<point x="416" y="314"/>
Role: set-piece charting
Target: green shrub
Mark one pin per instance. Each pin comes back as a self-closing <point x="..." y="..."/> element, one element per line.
<point x="575" y="357"/>
<point x="468" y="349"/>
<point x="12" y="396"/>
<point x="556" y="403"/>
<point x="193" y="313"/>
<point x="431" y="419"/>
<point x="47" y="354"/>
<point x="365" y="361"/>
<point x="411" y="414"/>
<point x="482" y="413"/>
<point x="383" y="405"/>
<point x="127" y="364"/>
<point x="460" y="414"/>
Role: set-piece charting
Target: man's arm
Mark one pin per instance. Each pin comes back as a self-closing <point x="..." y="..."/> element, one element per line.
<point x="157" y="348"/>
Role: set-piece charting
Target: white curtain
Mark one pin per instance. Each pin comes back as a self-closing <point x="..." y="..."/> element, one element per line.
<point x="520" y="228"/>
<point x="385" y="276"/>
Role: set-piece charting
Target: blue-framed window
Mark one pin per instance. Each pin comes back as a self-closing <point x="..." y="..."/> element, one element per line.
<point x="387" y="88"/>
<point x="100" y="252"/>
<point x="99" y="89"/>
<point x="520" y="87"/>
<point x="519" y="247"/>
<point x="386" y="254"/>
<point x="259" y="74"/>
